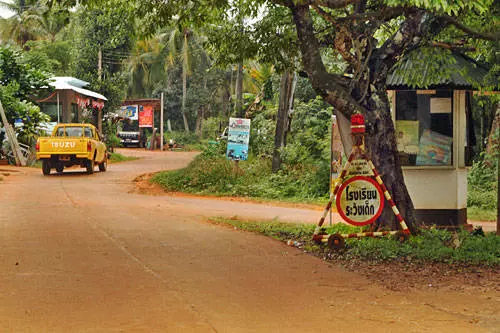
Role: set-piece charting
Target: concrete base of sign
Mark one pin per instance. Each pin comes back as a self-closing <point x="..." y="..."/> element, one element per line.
<point x="442" y="217"/>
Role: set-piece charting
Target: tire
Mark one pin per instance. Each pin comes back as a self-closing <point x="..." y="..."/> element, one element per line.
<point x="336" y="242"/>
<point x="59" y="167"/>
<point x="90" y="166"/>
<point x="103" y="166"/>
<point x="46" y="167"/>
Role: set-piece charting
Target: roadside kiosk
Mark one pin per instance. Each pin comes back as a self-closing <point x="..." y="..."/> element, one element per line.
<point x="435" y="138"/>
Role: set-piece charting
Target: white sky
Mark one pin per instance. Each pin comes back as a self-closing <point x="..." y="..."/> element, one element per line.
<point x="5" y="13"/>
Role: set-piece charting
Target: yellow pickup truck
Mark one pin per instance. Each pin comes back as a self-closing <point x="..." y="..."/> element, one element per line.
<point x="72" y="144"/>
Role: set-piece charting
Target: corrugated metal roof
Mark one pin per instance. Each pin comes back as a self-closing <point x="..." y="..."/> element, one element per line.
<point x="71" y="83"/>
<point x="462" y="74"/>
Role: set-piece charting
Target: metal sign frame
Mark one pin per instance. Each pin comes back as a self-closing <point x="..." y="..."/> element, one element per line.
<point x="336" y="241"/>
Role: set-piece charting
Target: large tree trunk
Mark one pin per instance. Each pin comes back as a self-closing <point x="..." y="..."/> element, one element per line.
<point x="366" y="95"/>
<point x="282" y="118"/>
<point x="199" y="119"/>
<point x="380" y="143"/>
<point x="493" y="139"/>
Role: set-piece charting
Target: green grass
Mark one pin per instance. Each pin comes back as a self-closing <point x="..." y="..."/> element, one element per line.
<point x="116" y="158"/>
<point x="481" y="214"/>
<point x="431" y="245"/>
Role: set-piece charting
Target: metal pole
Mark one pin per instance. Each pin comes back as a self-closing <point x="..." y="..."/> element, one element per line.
<point x="58" y="117"/>
<point x="161" y="123"/>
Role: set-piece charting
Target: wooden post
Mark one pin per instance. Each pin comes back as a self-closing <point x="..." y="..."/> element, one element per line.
<point x="161" y="123"/>
<point x="11" y="135"/>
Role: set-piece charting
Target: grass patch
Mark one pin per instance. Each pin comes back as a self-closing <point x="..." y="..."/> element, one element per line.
<point x="116" y="158"/>
<point x="481" y="214"/>
<point x="431" y="245"/>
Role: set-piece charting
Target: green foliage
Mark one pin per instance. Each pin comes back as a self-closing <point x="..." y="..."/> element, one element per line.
<point x="20" y="81"/>
<point x="183" y="138"/>
<point x="54" y="57"/>
<point x="431" y="245"/>
<point x="454" y="7"/>
<point x="482" y="186"/>
<point x="303" y="177"/>
<point x="112" y="141"/>
<point x="109" y="28"/>
<point x="262" y="133"/>
<point x="117" y="157"/>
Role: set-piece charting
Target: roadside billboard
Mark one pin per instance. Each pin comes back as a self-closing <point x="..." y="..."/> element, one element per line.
<point x="129" y="111"/>
<point x="145" y="116"/>
<point x="238" y="138"/>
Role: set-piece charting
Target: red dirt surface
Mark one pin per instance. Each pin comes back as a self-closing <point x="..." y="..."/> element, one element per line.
<point x="84" y="253"/>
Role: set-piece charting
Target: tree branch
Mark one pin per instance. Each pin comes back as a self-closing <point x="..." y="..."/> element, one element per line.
<point x="387" y="13"/>
<point x="333" y="4"/>
<point x="332" y="87"/>
<point x="410" y="35"/>
<point x="284" y="3"/>
<point x="469" y="31"/>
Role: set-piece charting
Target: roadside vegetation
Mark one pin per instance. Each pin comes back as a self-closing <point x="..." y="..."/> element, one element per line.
<point x="429" y="246"/>
<point x="117" y="157"/>
<point x="483" y="186"/>
<point x="304" y="176"/>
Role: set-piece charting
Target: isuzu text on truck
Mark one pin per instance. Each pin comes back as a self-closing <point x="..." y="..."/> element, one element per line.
<point x="72" y="144"/>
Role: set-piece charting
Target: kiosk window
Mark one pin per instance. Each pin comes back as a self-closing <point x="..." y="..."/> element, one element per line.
<point x="424" y="127"/>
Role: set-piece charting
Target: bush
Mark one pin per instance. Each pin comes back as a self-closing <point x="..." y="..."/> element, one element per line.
<point x="112" y="141"/>
<point x="482" y="185"/>
<point x="183" y="137"/>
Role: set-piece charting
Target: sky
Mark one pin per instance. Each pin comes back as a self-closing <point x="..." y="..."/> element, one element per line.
<point x="5" y="13"/>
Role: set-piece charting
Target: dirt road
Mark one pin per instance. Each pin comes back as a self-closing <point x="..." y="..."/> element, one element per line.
<point x="80" y="253"/>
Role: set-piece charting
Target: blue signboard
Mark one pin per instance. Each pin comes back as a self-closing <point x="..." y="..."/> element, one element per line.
<point x="130" y="112"/>
<point x="238" y="138"/>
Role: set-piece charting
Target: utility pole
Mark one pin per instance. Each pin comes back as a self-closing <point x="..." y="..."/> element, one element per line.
<point x="99" y="74"/>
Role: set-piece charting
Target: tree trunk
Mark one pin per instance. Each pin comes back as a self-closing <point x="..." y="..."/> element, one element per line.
<point x="493" y="139"/>
<point x="366" y="95"/>
<point x="238" y="105"/>
<point x="185" y="68"/>
<point x="282" y="118"/>
<point x="380" y="143"/>
<point x="199" y="119"/>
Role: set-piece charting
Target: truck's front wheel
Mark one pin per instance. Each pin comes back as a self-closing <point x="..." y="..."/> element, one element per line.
<point x="45" y="167"/>
<point x="90" y="166"/>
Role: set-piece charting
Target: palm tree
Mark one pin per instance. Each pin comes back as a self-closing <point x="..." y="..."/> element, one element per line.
<point x="16" y="27"/>
<point x="183" y="44"/>
<point x="146" y="66"/>
<point x="47" y="22"/>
